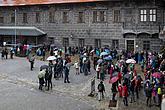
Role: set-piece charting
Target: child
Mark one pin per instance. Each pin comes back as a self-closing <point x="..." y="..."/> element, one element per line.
<point x="76" y="67"/>
<point x="101" y="90"/>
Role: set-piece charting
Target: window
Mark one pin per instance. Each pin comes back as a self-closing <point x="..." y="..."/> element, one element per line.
<point x="81" y="17"/>
<point x="116" y="16"/>
<point x="25" y="18"/>
<point x="81" y="42"/>
<point x="97" y="43"/>
<point x="1" y="19"/>
<point x="12" y="18"/>
<point x="115" y="44"/>
<point x="146" y="45"/>
<point x="38" y="17"/>
<point x="99" y="16"/>
<point x="153" y="15"/>
<point x="51" y="17"/>
<point x="65" y="17"/>
<point x="65" y="42"/>
<point x="143" y="15"/>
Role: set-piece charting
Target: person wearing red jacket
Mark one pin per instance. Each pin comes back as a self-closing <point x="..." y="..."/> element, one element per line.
<point x="120" y="90"/>
<point x="125" y="94"/>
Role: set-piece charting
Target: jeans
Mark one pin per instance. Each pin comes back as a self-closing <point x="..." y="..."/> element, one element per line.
<point x="125" y="101"/>
<point x="100" y="96"/>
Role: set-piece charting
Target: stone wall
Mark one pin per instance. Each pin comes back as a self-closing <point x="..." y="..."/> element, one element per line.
<point x="90" y="31"/>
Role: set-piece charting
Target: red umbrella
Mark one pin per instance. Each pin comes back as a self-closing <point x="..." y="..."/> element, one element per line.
<point x="113" y="80"/>
<point x="157" y="75"/>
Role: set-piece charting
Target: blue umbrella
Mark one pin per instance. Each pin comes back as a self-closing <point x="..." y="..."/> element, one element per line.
<point x="108" y="58"/>
<point x="100" y="61"/>
<point x="104" y="53"/>
<point x="107" y="50"/>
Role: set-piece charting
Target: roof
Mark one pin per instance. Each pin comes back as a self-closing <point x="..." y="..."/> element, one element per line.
<point x="20" y="31"/>
<point x="37" y="2"/>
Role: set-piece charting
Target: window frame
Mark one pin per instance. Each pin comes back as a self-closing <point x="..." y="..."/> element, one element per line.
<point x="1" y="19"/>
<point x="116" y="16"/>
<point x="152" y="15"/>
<point x="65" y="41"/>
<point x="146" y="45"/>
<point x="143" y="15"/>
<point x="12" y="18"/>
<point x="98" y="43"/>
<point x="99" y="16"/>
<point x="38" y="17"/>
<point x="81" y="42"/>
<point x="115" y="43"/>
<point x="25" y="18"/>
<point x="51" y="17"/>
<point x="81" y="19"/>
<point x="65" y="17"/>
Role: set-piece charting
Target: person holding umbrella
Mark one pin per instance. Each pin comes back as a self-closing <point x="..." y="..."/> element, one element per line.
<point x="41" y="76"/>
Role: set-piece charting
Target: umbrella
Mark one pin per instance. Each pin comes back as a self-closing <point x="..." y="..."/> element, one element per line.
<point x="108" y="58"/>
<point x="100" y="61"/>
<point x="157" y="75"/>
<point x="92" y="51"/>
<point x="107" y="50"/>
<point x="127" y="76"/>
<point x="121" y="61"/>
<point x="114" y="79"/>
<point x="104" y="53"/>
<point x="44" y="67"/>
<point x="41" y="74"/>
<point x="131" y="61"/>
<point x="114" y="74"/>
<point x="51" y="58"/>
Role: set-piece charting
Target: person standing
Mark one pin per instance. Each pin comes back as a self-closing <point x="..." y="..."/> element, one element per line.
<point x="159" y="96"/>
<point x="31" y="60"/>
<point x="101" y="90"/>
<point x="41" y="78"/>
<point x="50" y="72"/>
<point x="76" y="65"/>
<point x="98" y="71"/>
<point x="114" y="91"/>
<point x="43" y="54"/>
<point x="66" y="72"/>
<point x="148" y="92"/>
<point x="6" y="52"/>
<point x="2" y="54"/>
<point x="125" y="94"/>
<point x="11" y="52"/>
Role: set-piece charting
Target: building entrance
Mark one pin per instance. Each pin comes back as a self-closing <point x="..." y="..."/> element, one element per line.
<point x="130" y="45"/>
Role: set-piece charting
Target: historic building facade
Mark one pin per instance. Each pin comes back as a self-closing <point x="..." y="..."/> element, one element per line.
<point x="122" y="24"/>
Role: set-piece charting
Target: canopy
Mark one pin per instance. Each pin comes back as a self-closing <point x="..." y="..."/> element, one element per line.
<point x="37" y="2"/>
<point x="21" y="31"/>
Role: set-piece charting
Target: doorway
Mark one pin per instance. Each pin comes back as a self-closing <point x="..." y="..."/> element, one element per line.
<point x="130" y="45"/>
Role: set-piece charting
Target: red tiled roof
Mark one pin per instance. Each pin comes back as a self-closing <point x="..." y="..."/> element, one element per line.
<point x="36" y="2"/>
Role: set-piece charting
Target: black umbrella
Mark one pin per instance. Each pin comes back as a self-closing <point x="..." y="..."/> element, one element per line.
<point x="44" y="67"/>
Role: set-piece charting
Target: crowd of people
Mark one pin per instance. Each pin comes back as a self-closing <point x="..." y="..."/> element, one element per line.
<point x="121" y="67"/>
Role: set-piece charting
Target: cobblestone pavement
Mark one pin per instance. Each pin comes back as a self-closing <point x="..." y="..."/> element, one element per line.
<point x="19" y="90"/>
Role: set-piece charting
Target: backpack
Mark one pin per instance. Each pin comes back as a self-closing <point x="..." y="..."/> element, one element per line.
<point x="100" y="87"/>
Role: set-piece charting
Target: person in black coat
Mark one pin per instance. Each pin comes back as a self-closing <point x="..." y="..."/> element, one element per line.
<point x="101" y="90"/>
<point x="66" y="72"/>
